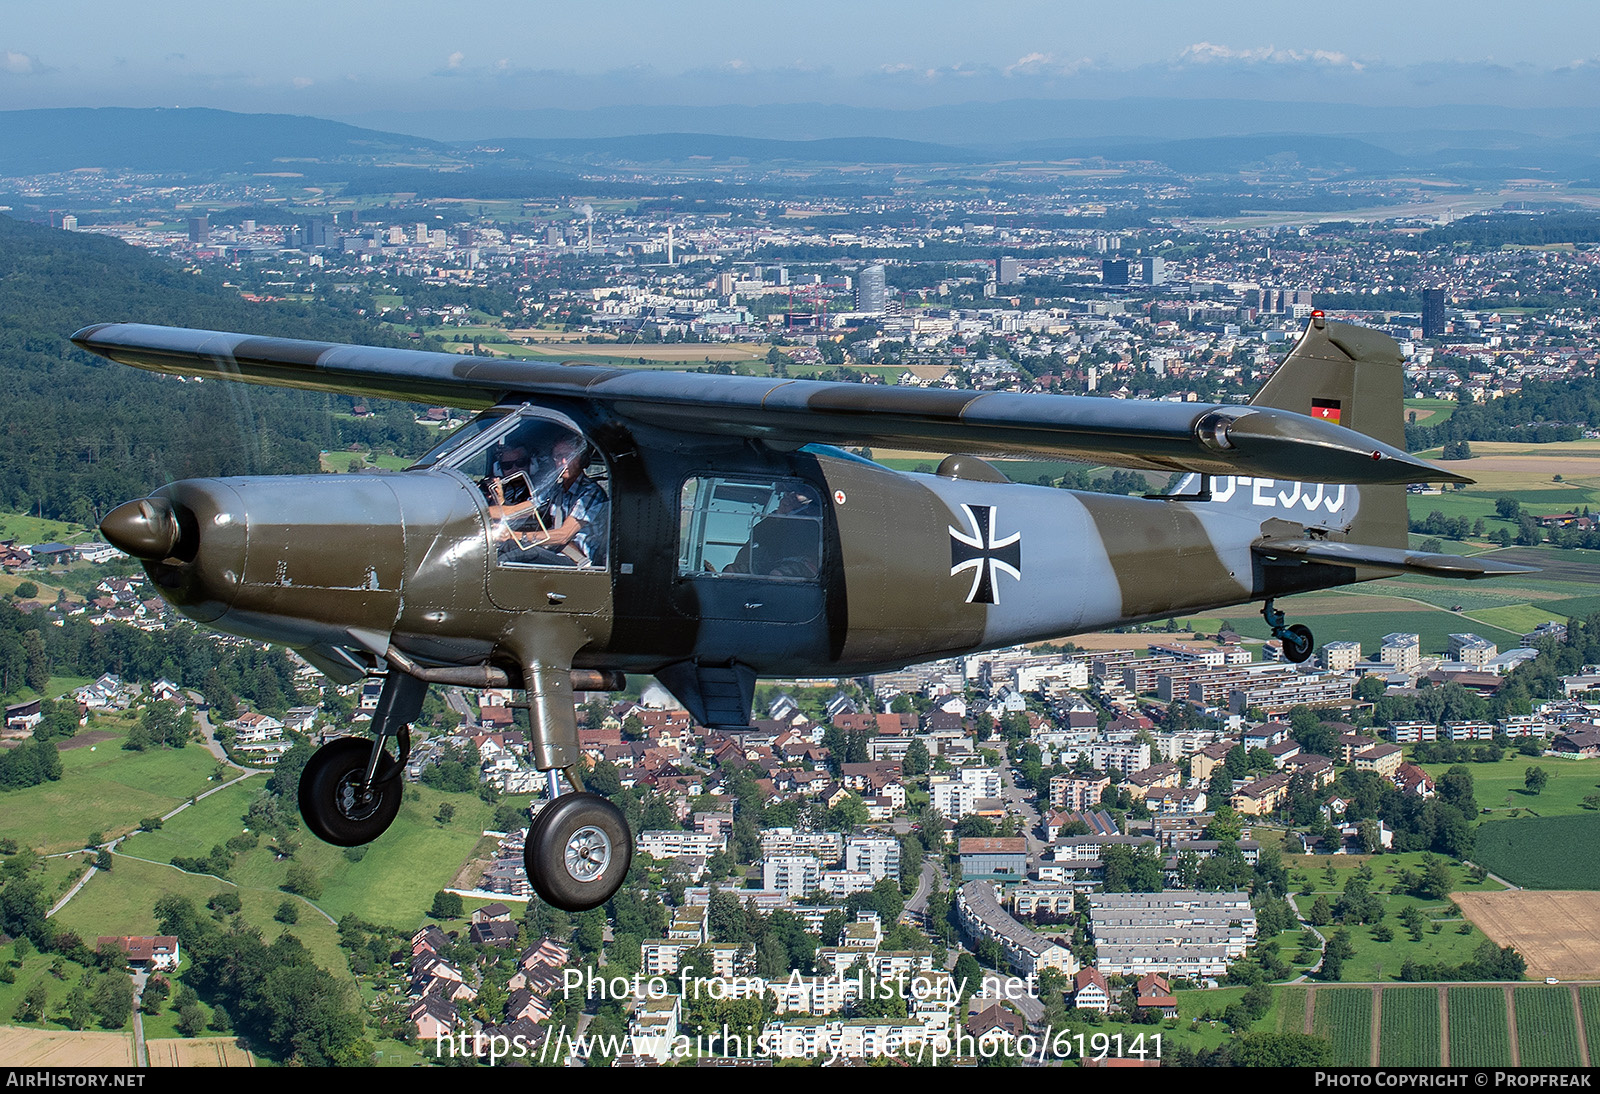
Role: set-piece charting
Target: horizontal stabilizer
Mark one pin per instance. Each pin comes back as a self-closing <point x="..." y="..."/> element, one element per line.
<point x="1262" y="440"/>
<point x="1397" y="559"/>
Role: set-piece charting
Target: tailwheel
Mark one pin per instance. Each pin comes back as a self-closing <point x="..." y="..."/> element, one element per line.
<point x="338" y="804"/>
<point x="578" y="852"/>
<point x="1297" y="643"/>
<point x="1297" y="640"/>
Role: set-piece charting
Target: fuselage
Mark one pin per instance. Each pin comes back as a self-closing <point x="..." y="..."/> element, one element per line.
<point x="720" y="552"/>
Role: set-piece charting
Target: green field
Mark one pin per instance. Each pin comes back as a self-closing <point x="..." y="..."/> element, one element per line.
<point x="1589" y="1011"/>
<point x="1501" y="786"/>
<point x="1537" y="852"/>
<point x="36" y="969"/>
<point x="1479" y="1033"/>
<point x="28" y="529"/>
<point x="1547" y="1034"/>
<point x="1288" y="1013"/>
<point x="394" y="882"/>
<point x="103" y="789"/>
<point x="1408" y="1027"/>
<point x="1374" y="961"/>
<point x="1344" y="1017"/>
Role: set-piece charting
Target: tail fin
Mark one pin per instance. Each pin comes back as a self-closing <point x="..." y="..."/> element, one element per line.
<point x="1352" y="376"/>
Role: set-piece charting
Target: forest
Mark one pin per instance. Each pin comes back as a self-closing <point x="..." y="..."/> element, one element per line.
<point x="82" y="435"/>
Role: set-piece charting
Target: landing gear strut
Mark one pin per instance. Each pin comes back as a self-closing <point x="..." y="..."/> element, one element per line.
<point x="350" y="789"/>
<point x="578" y="851"/>
<point x="1297" y="640"/>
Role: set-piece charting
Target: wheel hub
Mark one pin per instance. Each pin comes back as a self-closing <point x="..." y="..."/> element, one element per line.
<point x="353" y="803"/>
<point x="588" y="853"/>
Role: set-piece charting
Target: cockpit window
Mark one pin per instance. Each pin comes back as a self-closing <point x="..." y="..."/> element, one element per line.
<point x="546" y="488"/>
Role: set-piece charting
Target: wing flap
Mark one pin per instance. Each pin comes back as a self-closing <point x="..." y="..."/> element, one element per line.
<point x="1399" y="560"/>
<point x="1155" y="436"/>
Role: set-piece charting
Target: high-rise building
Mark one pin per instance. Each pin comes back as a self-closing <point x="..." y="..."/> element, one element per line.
<point x="1154" y="270"/>
<point x="1433" y="313"/>
<point x="1006" y="272"/>
<point x="199" y="229"/>
<point x="872" y="293"/>
<point x="1114" y="271"/>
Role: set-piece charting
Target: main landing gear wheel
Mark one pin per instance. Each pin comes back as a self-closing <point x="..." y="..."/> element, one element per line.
<point x="578" y="852"/>
<point x="1297" y="643"/>
<point x="335" y="805"/>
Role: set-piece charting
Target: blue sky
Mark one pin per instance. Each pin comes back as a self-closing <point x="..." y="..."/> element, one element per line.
<point x="346" y="57"/>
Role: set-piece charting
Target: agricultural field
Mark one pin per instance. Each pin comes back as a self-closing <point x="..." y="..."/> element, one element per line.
<point x="1554" y="931"/>
<point x="1289" y="1011"/>
<point x="197" y="1052"/>
<point x="1547" y="1032"/>
<point x="1589" y="1012"/>
<point x="1408" y="1027"/>
<point x="1536" y="852"/>
<point x="1344" y="1017"/>
<point x="1479" y="1033"/>
<point x="27" y="1047"/>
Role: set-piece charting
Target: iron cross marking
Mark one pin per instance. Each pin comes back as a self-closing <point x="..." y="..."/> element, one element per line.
<point x="984" y="554"/>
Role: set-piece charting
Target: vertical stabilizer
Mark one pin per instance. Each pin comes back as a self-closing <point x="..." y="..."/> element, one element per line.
<point x="1354" y="377"/>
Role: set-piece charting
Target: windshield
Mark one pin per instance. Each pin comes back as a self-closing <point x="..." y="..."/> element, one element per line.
<point x="462" y="439"/>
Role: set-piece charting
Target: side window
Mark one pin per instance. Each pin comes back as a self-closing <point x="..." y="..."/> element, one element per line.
<point x="547" y="491"/>
<point x="756" y="528"/>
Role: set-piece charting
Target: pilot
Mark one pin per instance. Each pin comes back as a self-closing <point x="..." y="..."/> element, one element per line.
<point x="571" y="515"/>
<point x="511" y="457"/>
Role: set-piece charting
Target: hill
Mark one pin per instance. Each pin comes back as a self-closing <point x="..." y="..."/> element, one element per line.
<point x="83" y="435"/>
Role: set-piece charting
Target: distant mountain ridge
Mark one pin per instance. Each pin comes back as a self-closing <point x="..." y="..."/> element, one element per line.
<point x="188" y="140"/>
<point x="202" y="141"/>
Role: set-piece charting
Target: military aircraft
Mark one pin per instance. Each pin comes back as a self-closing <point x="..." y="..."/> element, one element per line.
<point x="592" y="522"/>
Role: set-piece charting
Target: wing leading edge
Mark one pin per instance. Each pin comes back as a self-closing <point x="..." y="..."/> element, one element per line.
<point x="1156" y="436"/>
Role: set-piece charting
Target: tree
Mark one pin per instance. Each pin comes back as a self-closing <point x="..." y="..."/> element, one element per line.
<point x="303" y="879"/>
<point x="1535" y="779"/>
<point x="1454" y="787"/>
<point x="446" y="905"/>
<point x="446" y="813"/>
<point x="113" y="999"/>
<point x="1280" y="1050"/>
<point x="916" y="759"/>
<point x="1335" y="953"/>
<point x="288" y="912"/>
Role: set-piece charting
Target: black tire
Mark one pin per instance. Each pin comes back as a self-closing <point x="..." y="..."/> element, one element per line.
<point x="328" y="794"/>
<point x="578" y="852"/>
<point x="1297" y="643"/>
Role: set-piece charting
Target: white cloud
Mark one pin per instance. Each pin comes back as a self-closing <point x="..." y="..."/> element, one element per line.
<point x="1045" y="64"/>
<point x="20" y="64"/>
<point x="1202" y="53"/>
<point x="302" y="82"/>
<point x="455" y="59"/>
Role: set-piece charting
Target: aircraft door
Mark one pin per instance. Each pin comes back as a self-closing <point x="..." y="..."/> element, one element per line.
<point x="750" y="549"/>
<point x="547" y="496"/>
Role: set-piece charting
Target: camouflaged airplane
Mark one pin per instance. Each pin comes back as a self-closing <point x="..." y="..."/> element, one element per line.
<point x="705" y="529"/>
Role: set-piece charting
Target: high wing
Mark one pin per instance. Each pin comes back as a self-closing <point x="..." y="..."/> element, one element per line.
<point x="1148" y="435"/>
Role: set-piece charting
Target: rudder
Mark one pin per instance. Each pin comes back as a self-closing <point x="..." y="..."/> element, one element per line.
<point x="1352" y="376"/>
